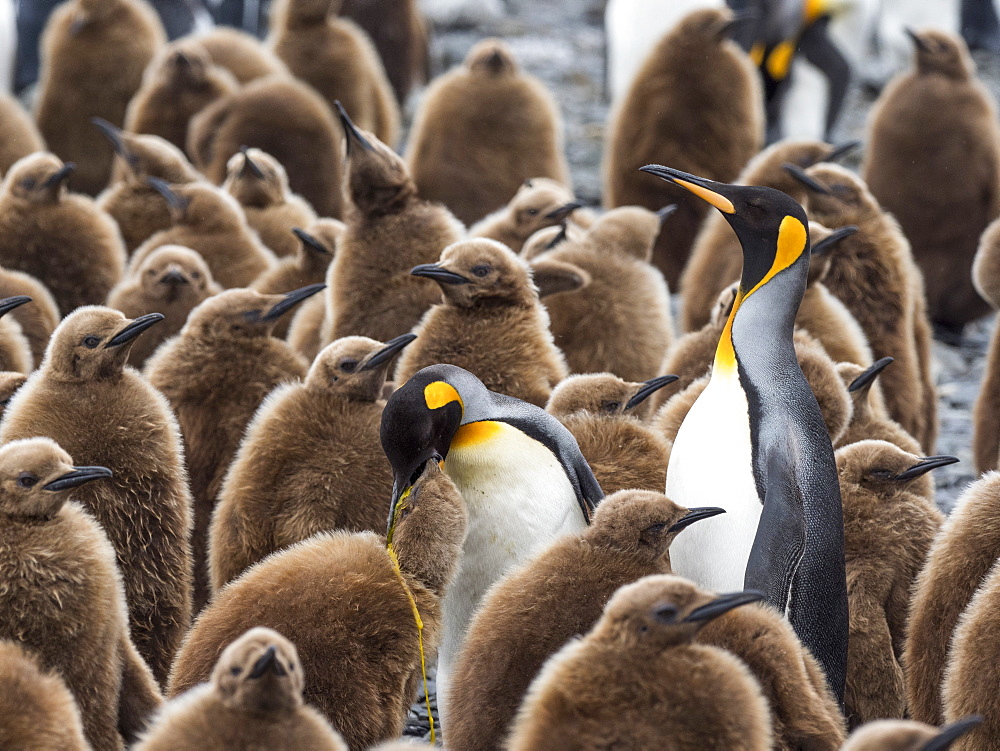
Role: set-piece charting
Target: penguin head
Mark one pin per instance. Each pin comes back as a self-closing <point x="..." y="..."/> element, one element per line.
<point x="291" y="13"/>
<point x="259" y="672"/>
<point x="255" y="178"/>
<point x="707" y="26"/>
<point x="986" y="265"/>
<point x="550" y="238"/>
<point x="174" y="273"/>
<point x="240" y="314"/>
<point x="491" y="58"/>
<point x="92" y="343"/>
<point x="664" y="610"/>
<point x="642" y="522"/>
<point x="182" y="64"/>
<point x="38" y="178"/>
<point x="481" y="272"/>
<point x="629" y="231"/>
<point x="877" y="470"/>
<point x="200" y="205"/>
<point x="824" y="243"/>
<point x="37" y="477"/>
<point x="355" y="367"/>
<point x="10" y="382"/>
<point x="837" y="197"/>
<point x="769" y="167"/>
<point x="859" y="382"/>
<point x="318" y="245"/>
<point x="602" y="394"/>
<point x="88" y="13"/>
<point x="141" y="156"/>
<point x="941" y="53"/>
<point x="540" y="202"/>
<point x="908" y="735"/>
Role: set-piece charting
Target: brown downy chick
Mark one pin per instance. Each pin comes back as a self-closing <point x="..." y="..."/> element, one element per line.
<point x="338" y="60"/>
<point x="390" y="229"/>
<point x="208" y="220"/>
<point x="215" y="374"/>
<point x="695" y="104"/>
<point x="254" y="700"/>
<point x="37" y="711"/>
<point x="62" y="239"/>
<point x="9" y="384"/>
<point x="481" y="130"/>
<point x="620" y="322"/>
<point x="260" y="185"/>
<point x="178" y="84"/>
<point x="943" y="197"/>
<point x="172" y="281"/>
<point x="37" y="320"/>
<point x="287" y="119"/>
<point x="602" y="412"/>
<point x="18" y="134"/>
<point x="490" y="322"/>
<point x="639" y="676"/>
<point x="535" y="609"/>
<point x="242" y="54"/>
<point x="907" y="735"/>
<point x="873" y="274"/>
<point x="310" y="460"/>
<point x="105" y="413"/>
<point x="716" y="256"/>
<point x="538" y="203"/>
<point x="888" y="531"/>
<point x="137" y="207"/>
<point x="338" y="597"/>
<point x="86" y="45"/>
<point x="986" y="278"/>
<point x="15" y="351"/>
<point x="62" y="595"/>
<point x="959" y="560"/>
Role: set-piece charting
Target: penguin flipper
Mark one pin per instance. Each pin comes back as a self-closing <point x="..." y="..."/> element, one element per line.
<point x="821" y="51"/>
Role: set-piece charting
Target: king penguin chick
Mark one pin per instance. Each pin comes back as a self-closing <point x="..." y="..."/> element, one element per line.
<point x="15" y="352"/>
<point x="491" y="323"/>
<point x="215" y="374"/>
<point x="178" y="84"/>
<point x="341" y="599"/>
<point x="785" y="535"/>
<point x="62" y="594"/>
<point x="254" y="700"/>
<point x="888" y="530"/>
<point x="959" y="560"/>
<point x="986" y="277"/>
<point x="907" y="735"/>
<point x="639" y="676"/>
<point x="538" y="203"/>
<point x="62" y="239"/>
<point x="209" y="221"/>
<point x="536" y="608"/>
<point x="310" y="460"/>
<point x="136" y="206"/>
<point x="389" y="231"/>
<point x="519" y="469"/>
<point x="601" y="411"/>
<point x="943" y="197"/>
<point x="37" y="711"/>
<point x="338" y="60"/>
<point x="172" y="281"/>
<point x="620" y="322"/>
<point x="482" y="129"/>
<point x="37" y="320"/>
<point x="283" y="117"/>
<point x="260" y="185"/>
<point x="9" y="384"/>
<point x="18" y="134"/>
<point x="696" y="102"/>
<point x="85" y="398"/>
<point x="87" y="44"/>
<point x="242" y="54"/>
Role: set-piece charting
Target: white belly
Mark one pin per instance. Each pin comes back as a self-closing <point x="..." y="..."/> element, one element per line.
<point x="710" y="465"/>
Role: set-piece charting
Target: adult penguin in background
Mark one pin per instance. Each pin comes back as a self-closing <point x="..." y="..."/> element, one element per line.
<point x="783" y="532"/>
<point x="18" y="134"/>
<point x="519" y="470"/>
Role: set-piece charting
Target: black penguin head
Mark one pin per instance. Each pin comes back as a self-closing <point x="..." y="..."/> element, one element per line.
<point x="355" y="367"/>
<point x="259" y="672"/>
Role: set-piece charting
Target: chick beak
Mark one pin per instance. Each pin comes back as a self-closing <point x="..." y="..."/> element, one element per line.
<point x="723" y="604"/>
<point x="800" y="174"/>
<point x="392" y="348"/>
<point x="310" y="242"/>
<point x="267" y="662"/>
<point x="924" y="466"/>
<point x="290" y="300"/>
<point x="79" y="476"/>
<point x="173" y="278"/>
<point x="111" y="132"/>
<point x="351" y="131"/>
<point x="60" y="176"/>
<point x="565" y="210"/>
<point x="695" y="515"/>
<point x="951" y="733"/>
<point x="177" y="203"/>
<point x="666" y="212"/>
<point x="832" y="239"/>
<point x="867" y="378"/>
<point x="133" y="329"/>
<point x="249" y="165"/>
<point x="648" y="389"/>
<point x="438" y="274"/>
<point x="918" y="40"/>
<point x="842" y="150"/>
<point x="707" y="190"/>
<point x="8" y="304"/>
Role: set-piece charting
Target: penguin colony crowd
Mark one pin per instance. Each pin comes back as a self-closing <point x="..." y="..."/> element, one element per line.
<point x="289" y="418"/>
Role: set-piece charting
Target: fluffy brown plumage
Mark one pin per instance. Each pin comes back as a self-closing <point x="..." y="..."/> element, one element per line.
<point x="15" y="351"/>
<point x="538" y="203"/>
<point x="18" y="134"/>
<point x="93" y="53"/>
<point x="483" y="129"/>
<point x="696" y="105"/>
<point x="985" y="431"/>
<point x="904" y="735"/>
<point x="9" y="384"/>
<point x="38" y="320"/>
<point x="241" y="54"/>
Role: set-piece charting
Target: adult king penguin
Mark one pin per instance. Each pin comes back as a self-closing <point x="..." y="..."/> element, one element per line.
<point x="520" y="472"/>
<point x="754" y="441"/>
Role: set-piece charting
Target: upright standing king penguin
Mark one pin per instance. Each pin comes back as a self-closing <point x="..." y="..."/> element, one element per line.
<point x="520" y="472"/>
<point x="755" y="441"/>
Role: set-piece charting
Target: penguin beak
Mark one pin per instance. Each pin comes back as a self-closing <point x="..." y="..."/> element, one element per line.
<point x="951" y="733"/>
<point x="114" y="136"/>
<point x="924" y="466"/>
<point x="918" y="40"/>
<point x="558" y="239"/>
<point x="133" y="330"/>
<point x="695" y="515"/>
<point x="60" y="176"/>
<point x="392" y="348"/>
<point x="267" y="662"/>
<point x="290" y="300"/>
<point x="867" y="378"/>
<point x="842" y="150"/>
<point x="9" y="303"/>
<point x="351" y="131"/>
<point x="800" y="174"/>
<point x="832" y="239"/>
<point x="402" y="487"/>
<point x="438" y="274"/>
<point x="249" y="165"/>
<point x="161" y="186"/>
<point x="649" y="388"/>
<point x="565" y="210"/>
<point x="707" y="190"/>
<point x="310" y="242"/>
<point x="666" y="212"/>
<point x="79" y="476"/>
<point x="173" y="278"/>
<point x="723" y="604"/>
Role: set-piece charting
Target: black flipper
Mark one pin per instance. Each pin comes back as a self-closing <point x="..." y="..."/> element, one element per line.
<point x="821" y="51"/>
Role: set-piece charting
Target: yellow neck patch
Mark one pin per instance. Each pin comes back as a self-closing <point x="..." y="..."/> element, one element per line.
<point x="725" y="354"/>
<point x="440" y="393"/>
<point x="814" y="9"/>
<point x="475" y="433"/>
<point x="779" y="62"/>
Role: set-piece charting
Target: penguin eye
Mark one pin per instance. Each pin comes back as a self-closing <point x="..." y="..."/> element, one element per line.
<point x="611" y="406"/>
<point x="26" y="480"/>
<point x="481" y="270"/>
<point x="28" y="183"/>
<point x="348" y="365"/>
<point x="881" y="474"/>
<point x="236" y="670"/>
<point x="196" y="275"/>
<point x="666" y="614"/>
<point x="90" y="342"/>
<point x="151" y="272"/>
<point x="531" y="212"/>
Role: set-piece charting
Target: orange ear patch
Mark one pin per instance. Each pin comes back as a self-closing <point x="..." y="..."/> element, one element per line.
<point x="439" y="393"/>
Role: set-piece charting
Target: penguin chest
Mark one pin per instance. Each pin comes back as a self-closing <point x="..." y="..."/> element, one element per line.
<point x="711" y="464"/>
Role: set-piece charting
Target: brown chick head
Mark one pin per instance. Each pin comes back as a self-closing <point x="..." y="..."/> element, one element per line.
<point x="259" y="672"/>
<point x="38" y="178"/>
<point x="255" y="178"/>
<point x="836" y="196"/>
<point x="92" y="343"/>
<point x="880" y="469"/>
<point x="491" y="58"/>
<point x="355" y="367"/>
<point x="477" y="272"/>
<point x="173" y="272"/>
<point x="941" y="53"/>
<point x="377" y="180"/>
<point x="243" y="313"/>
<point x="601" y="394"/>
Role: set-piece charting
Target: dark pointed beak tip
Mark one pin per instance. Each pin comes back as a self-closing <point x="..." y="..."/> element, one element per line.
<point x="310" y="241"/>
<point x="807" y="180"/>
<point x="924" y="466"/>
<point x="866" y="378"/>
<point x="666" y="212"/>
<point x="723" y="604"/>
<point x="133" y="329"/>
<point x="174" y="279"/>
<point x="695" y="515"/>
<point x="11" y="303"/>
<point x="832" y="239"/>
<point x="79" y="476"/>
<point x="842" y="150"/>
<point x="264" y="663"/>
<point x="665" y="173"/>
<point x="291" y="299"/>
<point x="392" y="348"/>
<point x="951" y="733"/>
<point x="565" y="210"/>
<point x="438" y="274"/>
<point x="651" y="387"/>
